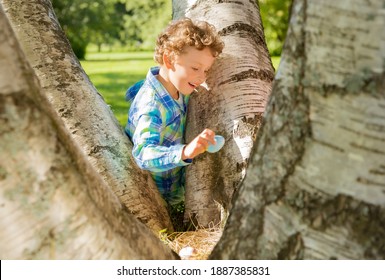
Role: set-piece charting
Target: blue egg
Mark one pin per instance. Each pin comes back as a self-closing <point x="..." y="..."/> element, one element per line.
<point x="220" y="141"/>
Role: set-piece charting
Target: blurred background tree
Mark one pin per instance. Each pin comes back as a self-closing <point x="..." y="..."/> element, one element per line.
<point x="275" y="17"/>
<point x="131" y="24"/>
<point x="143" y="21"/>
<point x="134" y="25"/>
<point x="88" y="21"/>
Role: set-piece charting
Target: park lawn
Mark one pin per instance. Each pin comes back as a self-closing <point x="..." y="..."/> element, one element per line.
<point x="113" y="72"/>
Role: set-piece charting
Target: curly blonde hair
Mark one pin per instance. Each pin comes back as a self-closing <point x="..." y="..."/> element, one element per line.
<point x="183" y="33"/>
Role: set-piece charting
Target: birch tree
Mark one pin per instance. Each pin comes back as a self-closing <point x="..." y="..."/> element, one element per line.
<point x="232" y="105"/>
<point x="315" y="188"/>
<point x="83" y="110"/>
<point x="54" y="205"/>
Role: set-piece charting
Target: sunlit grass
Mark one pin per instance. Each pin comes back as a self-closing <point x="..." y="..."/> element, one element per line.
<point x="113" y="72"/>
<point x="275" y="60"/>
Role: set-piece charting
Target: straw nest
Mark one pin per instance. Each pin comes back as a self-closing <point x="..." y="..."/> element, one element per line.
<point x="193" y="245"/>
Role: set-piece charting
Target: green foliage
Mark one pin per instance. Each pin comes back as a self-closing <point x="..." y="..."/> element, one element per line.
<point x="88" y="21"/>
<point x="143" y="21"/>
<point x="275" y="18"/>
<point x="136" y="24"/>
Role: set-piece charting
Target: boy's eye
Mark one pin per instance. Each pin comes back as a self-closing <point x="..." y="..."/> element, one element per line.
<point x="195" y="69"/>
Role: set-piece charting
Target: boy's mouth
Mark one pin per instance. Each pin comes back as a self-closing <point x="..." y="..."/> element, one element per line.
<point x="192" y="85"/>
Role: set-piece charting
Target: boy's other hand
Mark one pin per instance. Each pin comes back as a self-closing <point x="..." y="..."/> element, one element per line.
<point x="199" y="144"/>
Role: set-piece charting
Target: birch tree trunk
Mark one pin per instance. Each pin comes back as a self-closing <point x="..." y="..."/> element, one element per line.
<point x="315" y="188"/>
<point x="54" y="205"/>
<point x="232" y="106"/>
<point x="84" y="112"/>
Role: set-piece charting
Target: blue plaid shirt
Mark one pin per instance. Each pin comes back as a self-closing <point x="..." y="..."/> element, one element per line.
<point x="156" y="124"/>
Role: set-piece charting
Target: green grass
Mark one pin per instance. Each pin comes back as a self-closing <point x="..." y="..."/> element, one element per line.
<point x="113" y="72"/>
<point x="275" y="60"/>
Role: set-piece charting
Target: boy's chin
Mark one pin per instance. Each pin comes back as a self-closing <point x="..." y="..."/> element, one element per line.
<point x="188" y="93"/>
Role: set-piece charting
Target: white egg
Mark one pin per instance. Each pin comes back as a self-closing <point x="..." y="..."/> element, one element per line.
<point x="187" y="252"/>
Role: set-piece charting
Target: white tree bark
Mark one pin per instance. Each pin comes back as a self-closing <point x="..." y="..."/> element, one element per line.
<point x="84" y="112"/>
<point x="238" y="88"/>
<point x="54" y="205"/>
<point x="315" y="188"/>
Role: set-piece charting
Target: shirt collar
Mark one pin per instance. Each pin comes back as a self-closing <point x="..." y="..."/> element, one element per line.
<point x="161" y="90"/>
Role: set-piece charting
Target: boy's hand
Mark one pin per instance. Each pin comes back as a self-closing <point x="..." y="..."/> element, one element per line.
<point x="199" y="144"/>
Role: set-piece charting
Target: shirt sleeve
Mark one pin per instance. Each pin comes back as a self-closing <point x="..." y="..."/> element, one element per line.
<point x="148" y="152"/>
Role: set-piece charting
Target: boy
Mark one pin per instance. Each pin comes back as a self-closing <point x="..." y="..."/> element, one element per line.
<point x="185" y="51"/>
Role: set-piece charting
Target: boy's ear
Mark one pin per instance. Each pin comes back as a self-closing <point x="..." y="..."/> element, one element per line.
<point x="167" y="61"/>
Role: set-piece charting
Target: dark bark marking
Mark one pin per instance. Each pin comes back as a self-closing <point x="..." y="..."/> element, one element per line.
<point x="329" y="145"/>
<point x="359" y="133"/>
<point x="368" y="149"/>
<point x="229" y="1"/>
<point x="249" y="126"/>
<point x="250" y="74"/>
<point x="369" y="182"/>
<point x="65" y="113"/>
<point x="245" y="31"/>
<point x="379" y="171"/>
<point x="97" y="149"/>
<point x="3" y="173"/>
<point x="375" y="127"/>
<point x="321" y="211"/>
<point x="293" y="249"/>
<point x="252" y="2"/>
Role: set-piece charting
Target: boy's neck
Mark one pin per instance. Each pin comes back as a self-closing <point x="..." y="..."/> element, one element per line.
<point x="163" y="79"/>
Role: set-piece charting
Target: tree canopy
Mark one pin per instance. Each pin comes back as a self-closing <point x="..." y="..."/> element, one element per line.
<point x="88" y="21"/>
<point x="135" y="24"/>
<point x="132" y="24"/>
<point x="143" y="21"/>
<point x="275" y="17"/>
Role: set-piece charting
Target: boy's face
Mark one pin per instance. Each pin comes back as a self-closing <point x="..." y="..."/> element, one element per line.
<point x="189" y="69"/>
